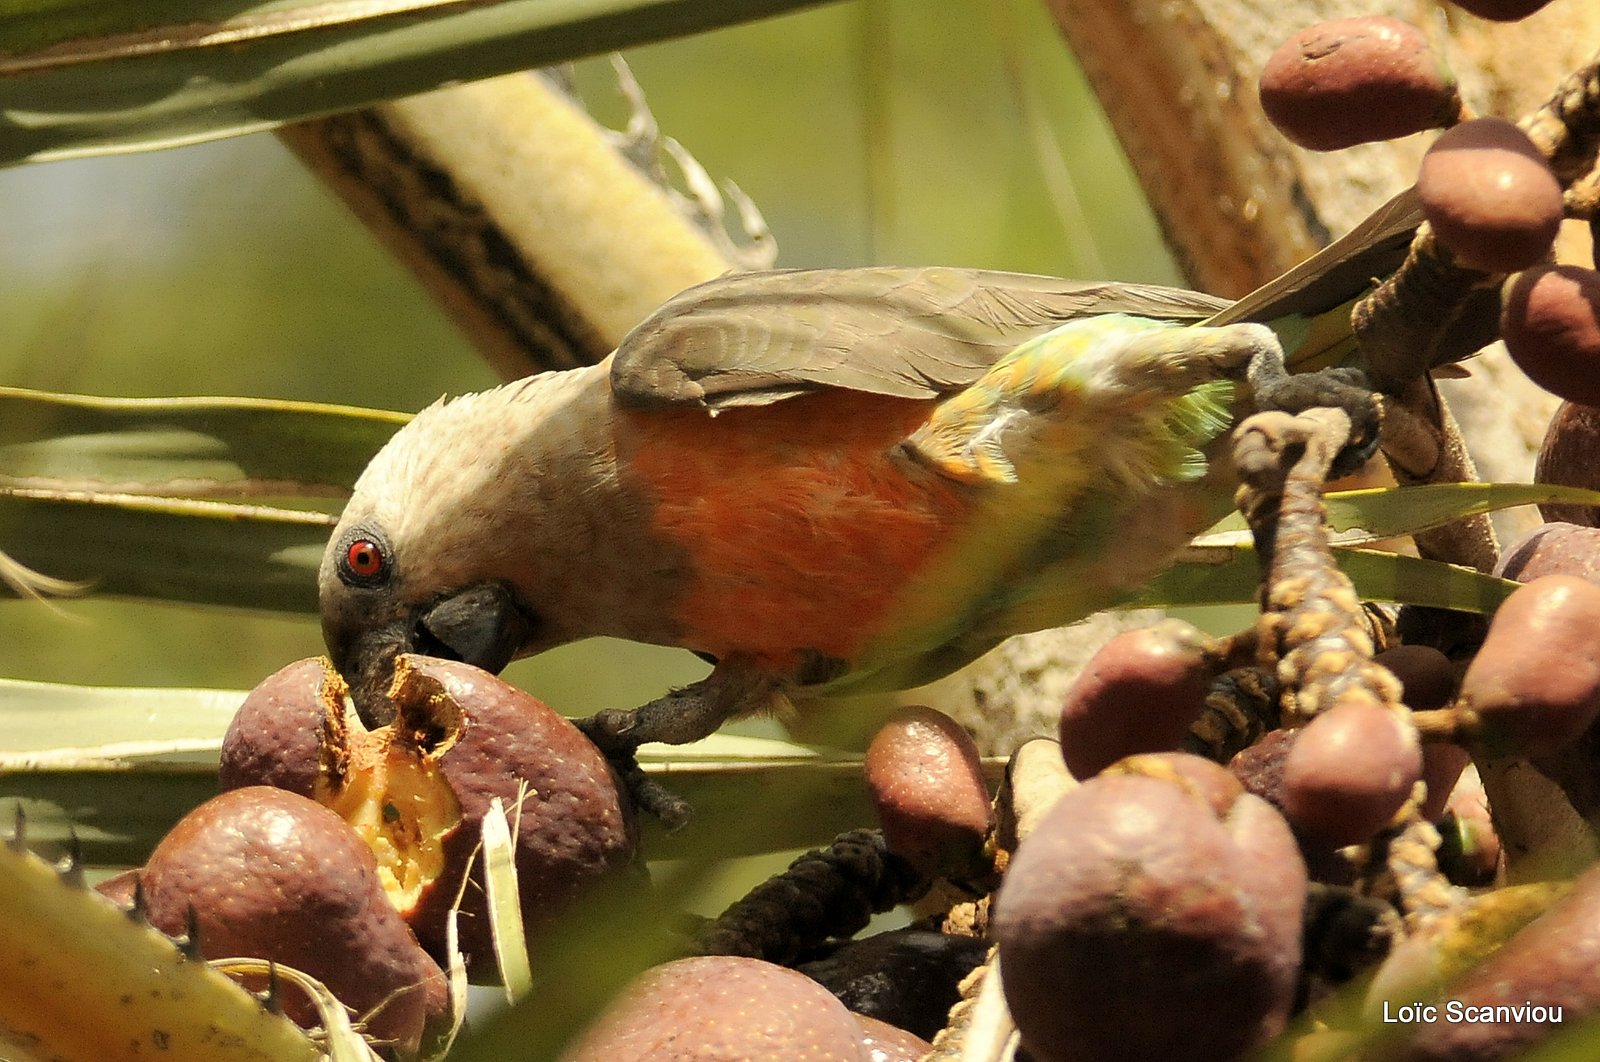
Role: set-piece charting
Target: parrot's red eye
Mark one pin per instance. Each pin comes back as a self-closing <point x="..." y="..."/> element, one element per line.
<point x="364" y="559"/>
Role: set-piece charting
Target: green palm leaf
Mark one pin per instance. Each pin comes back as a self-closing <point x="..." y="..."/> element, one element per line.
<point x="84" y="78"/>
<point x="186" y="447"/>
<point x="121" y="493"/>
<point x="1220" y="575"/>
<point x="1385" y="512"/>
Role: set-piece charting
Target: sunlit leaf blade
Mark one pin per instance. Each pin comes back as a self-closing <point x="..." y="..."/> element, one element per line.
<point x="80" y="981"/>
<point x="1394" y="577"/>
<point x="119" y="811"/>
<point x="114" y="766"/>
<point x="211" y="553"/>
<point x="116" y="813"/>
<point x="61" y="722"/>
<point x="501" y="899"/>
<point x="1385" y="512"/>
<point x="101" y="490"/>
<point x="40" y="719"/>
<point x="1222" y="575"/>
<point x="186" y="447"/>
<point x="85" y="78"/>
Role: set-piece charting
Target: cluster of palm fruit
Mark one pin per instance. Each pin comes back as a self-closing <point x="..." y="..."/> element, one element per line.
<point x="1319" y="863"/>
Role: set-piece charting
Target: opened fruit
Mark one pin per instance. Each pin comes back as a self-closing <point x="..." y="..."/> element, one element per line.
<point x="416" y="790"/>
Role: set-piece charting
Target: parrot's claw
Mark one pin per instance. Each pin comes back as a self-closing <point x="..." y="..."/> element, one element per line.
<point x="678" y="718"/>
<point x="734" y="688"/>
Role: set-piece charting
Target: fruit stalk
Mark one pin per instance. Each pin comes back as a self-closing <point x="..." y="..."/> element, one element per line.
<point x="1567" y="128"/>
<point x="1312" y="618"/>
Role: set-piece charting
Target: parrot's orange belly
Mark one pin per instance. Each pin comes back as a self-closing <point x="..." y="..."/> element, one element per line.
<point x="802" y="522"/>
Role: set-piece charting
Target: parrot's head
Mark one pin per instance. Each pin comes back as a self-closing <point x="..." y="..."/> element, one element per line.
<point x="417" y="562"/>
<point x="371" y="613"/>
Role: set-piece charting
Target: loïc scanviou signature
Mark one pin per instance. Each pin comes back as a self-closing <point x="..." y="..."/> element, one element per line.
<point x="1455" y="1011"/>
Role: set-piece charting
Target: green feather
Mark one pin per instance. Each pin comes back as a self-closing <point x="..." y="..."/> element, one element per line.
<point x="1196" y="420"/>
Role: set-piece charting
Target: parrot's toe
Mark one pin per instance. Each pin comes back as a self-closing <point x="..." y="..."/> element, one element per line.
<point x="675" y="718"/>
<point x="612" y="728"/>
<point x="608" y="730"/>
<point x="665" y="806"/>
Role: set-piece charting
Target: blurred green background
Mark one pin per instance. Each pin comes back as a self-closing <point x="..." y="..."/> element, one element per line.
<point x="917" y="131"/>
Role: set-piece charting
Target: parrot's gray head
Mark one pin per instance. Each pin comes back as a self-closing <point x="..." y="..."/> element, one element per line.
<point x="417" y="562"/>
<point x="369" y="618"/>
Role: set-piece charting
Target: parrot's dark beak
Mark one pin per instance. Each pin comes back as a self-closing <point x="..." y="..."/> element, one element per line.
<point x="366" y="659"/>
<point x="481" y="625"/>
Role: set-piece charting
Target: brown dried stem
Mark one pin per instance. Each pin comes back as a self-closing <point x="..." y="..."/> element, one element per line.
<point x="1313" y="624"/>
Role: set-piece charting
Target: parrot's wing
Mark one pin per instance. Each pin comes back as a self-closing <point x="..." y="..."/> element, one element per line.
<point x="749" y="339"/>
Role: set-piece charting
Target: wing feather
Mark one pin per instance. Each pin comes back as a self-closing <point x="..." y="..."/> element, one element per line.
<point x="917" y="332"/>
<point x="912" y="332"/>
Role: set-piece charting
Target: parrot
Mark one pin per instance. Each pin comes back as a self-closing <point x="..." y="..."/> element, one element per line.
<point x="832" y="481"/>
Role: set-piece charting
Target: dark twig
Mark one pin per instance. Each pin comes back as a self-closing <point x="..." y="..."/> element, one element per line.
<point x="827" y="893"/>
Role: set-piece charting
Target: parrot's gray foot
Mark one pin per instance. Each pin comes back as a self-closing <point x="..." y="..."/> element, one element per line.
<point x="735" y="687"/>
<point x="1345" y="389"/>
<point x="678" y="718"/>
